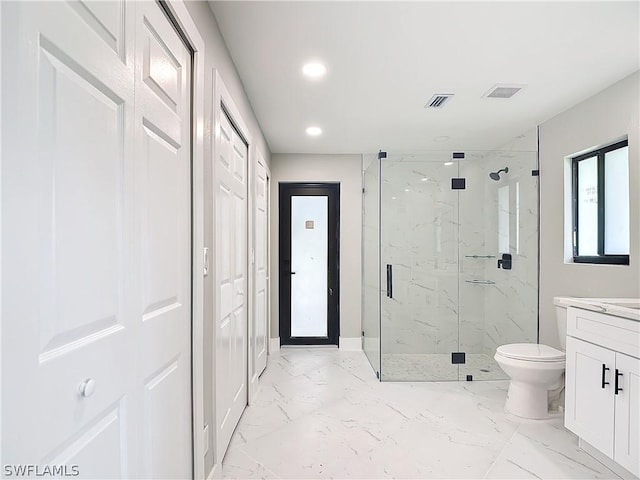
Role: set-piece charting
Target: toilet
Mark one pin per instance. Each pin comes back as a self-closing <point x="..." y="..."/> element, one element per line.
<point x="536" y="389"/>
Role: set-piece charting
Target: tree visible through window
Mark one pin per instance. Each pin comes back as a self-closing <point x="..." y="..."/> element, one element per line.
<point x="601" y="205"/>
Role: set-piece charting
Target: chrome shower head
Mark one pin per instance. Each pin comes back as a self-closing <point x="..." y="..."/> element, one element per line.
<point x="496" y="175"/>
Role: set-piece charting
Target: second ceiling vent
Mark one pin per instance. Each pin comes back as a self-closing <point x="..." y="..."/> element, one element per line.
<point x="438" y="100"/>
<point x="503" y="91"/>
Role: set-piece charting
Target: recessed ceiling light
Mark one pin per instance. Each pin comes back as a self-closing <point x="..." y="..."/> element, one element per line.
<point x="393" y="198"/>
<point x="314" y="69"/>
<point x="424" y="179"/>
<point x="314" y="131"/>
<point x="448" y="163"/>
<point x="406" y="189"/>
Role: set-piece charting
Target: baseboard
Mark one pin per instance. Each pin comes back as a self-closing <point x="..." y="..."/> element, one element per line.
<point x="351" y="344"/>
<point x="274" y="344"/>
<point x="606" y="461"/>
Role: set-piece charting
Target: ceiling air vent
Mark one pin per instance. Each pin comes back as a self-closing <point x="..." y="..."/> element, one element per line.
<point x="503" y="91"/>
<point x="438" y="100"/>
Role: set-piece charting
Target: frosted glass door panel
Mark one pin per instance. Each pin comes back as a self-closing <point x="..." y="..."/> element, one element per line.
<point x="309" y="261"/>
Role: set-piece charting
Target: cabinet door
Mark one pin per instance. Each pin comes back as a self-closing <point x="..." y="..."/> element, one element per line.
<point x="627" y="431"/>
<point x="590" y="407"/>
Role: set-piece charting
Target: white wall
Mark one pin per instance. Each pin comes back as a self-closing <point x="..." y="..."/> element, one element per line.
<point x="217" y="56"/>
<point x="599" y="120"/>
<point x="345" y="169"/>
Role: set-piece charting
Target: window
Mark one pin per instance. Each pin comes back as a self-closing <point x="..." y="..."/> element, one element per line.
<point x="601" y="205"/>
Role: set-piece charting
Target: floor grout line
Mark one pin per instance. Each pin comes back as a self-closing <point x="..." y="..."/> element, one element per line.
<point x="504" y="448"/>
<point x="261" y="464"/>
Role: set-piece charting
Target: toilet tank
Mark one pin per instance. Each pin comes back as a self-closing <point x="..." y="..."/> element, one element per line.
<point x="561" y="319"/>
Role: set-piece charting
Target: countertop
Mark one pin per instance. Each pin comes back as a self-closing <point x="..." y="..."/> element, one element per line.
<point x="620" y="307"/>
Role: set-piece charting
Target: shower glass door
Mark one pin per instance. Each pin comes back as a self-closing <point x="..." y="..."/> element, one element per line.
<point x="419" y="267"/>
<point x="371" y="260"/>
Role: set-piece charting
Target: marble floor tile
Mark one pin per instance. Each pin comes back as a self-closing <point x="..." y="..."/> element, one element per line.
<point x="321" y="413"/>
<point x="239" y="465"/>
<point x="545" y="449"/>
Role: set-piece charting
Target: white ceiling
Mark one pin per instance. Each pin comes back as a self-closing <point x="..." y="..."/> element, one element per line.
<point x="386" y="59"/>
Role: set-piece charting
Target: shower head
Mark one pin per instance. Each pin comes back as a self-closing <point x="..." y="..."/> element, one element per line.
<point x="496" y="175"/>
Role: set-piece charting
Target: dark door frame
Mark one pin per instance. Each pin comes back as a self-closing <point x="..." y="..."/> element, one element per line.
<point x="332" y="191"/>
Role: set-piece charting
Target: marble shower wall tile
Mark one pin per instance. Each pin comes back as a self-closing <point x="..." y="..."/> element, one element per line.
<point x="511" y="305"/>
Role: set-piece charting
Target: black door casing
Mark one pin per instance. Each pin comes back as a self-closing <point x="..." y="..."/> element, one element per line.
<point x="332" y="191"/>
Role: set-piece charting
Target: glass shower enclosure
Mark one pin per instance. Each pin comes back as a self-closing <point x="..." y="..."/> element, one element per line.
<point x="450" y="262"/>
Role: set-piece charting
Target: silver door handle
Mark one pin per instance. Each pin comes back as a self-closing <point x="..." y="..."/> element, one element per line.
<point x="331" y="291"/>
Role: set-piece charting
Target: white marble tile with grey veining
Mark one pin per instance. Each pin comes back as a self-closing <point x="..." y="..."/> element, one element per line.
<point x="340" y="422"/>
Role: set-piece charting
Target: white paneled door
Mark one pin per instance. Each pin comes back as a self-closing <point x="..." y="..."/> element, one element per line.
<point x="163" y="246"/>
<point x="231" y="281"/>
<point x="96" y="222"/>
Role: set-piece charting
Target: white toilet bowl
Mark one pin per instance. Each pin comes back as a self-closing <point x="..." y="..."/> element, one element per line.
<point x="535" y="370"/>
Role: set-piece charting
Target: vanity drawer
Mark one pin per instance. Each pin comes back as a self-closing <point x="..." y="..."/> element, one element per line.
<point x="616" y="333"/>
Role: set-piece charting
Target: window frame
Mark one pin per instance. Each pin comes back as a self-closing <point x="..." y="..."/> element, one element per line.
<point x="601" y="258"/>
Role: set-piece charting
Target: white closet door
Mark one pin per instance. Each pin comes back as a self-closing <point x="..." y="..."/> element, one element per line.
<point x="163" y="244"/>
<point x="95" y="239"/>
<point x="231" y="281"/>
<point x="260" y="319"/>
<point x="66" y="187"/>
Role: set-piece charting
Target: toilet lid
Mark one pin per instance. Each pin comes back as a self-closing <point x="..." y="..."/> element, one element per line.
<point x="531" y="351"/>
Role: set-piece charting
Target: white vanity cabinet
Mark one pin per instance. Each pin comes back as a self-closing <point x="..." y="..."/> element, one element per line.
<point x="602" y="397"/>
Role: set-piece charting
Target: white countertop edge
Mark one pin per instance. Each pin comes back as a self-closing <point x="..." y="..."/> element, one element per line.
<point x="603" y="305"/>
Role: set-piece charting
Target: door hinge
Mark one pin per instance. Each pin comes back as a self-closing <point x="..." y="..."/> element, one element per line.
<point x="253" y="256"/>
<point x="205" y="267"/>
<point x="458" y="183"/>
<point x="458" y="357"/>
